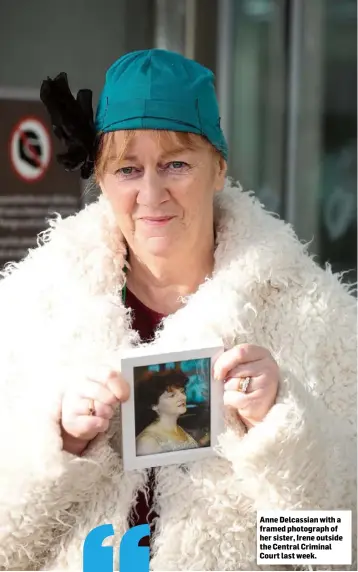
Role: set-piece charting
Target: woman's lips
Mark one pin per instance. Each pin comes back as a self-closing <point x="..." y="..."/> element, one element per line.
<point x="157" y="221"/>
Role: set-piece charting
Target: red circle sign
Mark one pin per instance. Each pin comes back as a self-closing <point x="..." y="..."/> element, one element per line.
<point x="30" y="149"/>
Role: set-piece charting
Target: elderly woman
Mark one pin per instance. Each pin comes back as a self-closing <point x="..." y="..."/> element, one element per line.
<point x="172" y="254"/>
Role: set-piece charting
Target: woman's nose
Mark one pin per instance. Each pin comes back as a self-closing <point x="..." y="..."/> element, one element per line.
<point x="152" y="191"/>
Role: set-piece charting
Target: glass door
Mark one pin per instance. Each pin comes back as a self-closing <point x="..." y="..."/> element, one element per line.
<point x="337" y="224"/>
<point x="321" y="199"/>
<point x="257" y="106"/>
<point x="287" y="79"/>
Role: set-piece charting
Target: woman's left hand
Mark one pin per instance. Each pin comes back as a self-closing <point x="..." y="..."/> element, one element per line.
<point x="255" y="362"/>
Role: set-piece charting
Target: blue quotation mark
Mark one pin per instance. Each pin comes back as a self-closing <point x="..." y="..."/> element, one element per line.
<point x="132" y="558"/>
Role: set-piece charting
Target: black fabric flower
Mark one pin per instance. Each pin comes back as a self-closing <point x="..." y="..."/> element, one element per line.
<point x="72" y="122"/>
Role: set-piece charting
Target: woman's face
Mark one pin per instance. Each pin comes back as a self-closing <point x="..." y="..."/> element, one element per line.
<point x="163" y="200"/>
<point x="171" y="402"/>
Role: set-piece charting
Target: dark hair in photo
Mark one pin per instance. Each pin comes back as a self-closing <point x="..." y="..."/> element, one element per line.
<point x="147" y="390"/>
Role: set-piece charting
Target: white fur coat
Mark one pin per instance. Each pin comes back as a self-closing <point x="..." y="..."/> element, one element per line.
<point x="61" y="318"/>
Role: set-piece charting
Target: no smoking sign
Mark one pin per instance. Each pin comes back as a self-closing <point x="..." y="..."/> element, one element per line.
<point x="30" y="149"/>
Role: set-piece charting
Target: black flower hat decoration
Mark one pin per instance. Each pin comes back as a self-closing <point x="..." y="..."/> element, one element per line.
<point x="72" y="123"/>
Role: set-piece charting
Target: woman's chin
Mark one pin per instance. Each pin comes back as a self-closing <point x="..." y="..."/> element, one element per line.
<point x="159" y="246"/>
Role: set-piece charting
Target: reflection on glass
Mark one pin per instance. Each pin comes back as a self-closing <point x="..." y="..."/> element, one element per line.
<point x="258" y="98"/>
<point x="294" y="118"/>
<point x="338" y="189"/>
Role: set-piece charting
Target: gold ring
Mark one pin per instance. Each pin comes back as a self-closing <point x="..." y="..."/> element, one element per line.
<point x="244" y="384"/>
<point x="91" y="407"/>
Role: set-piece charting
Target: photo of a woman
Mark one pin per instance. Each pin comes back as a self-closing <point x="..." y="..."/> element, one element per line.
<point x="160" y="402"/>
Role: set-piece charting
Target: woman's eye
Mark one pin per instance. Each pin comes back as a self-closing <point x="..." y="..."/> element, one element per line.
<point x="126" y="172"/>
<point x="177" y="165"/>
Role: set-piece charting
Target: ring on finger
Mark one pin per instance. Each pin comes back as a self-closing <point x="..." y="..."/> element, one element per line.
<point x="91" y="407"/>
<point x="244" y="384"/>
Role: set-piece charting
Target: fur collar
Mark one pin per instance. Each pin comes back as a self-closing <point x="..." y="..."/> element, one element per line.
<point x="255" y="254"/>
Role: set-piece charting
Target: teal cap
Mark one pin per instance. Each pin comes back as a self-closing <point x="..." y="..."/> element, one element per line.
<point x="159" y="89"/>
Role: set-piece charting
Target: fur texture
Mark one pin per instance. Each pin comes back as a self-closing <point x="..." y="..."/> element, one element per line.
<point x="61" y="318"/>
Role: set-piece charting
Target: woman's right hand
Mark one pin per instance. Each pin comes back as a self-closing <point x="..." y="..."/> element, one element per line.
<point x="78" y="426"/>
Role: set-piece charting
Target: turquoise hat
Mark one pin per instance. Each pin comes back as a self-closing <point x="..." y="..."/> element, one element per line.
<point x="158" y="89"/>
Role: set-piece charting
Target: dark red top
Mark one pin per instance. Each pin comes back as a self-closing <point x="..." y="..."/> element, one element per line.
<point x="145" y="321"/>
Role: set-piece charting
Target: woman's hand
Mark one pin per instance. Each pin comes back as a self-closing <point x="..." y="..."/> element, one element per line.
<point x="78" y="424"/>
<point x="255" y="362"/>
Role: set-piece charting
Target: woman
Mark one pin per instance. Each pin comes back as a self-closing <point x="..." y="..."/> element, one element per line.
<point x="172" y="254"/>
<point x="164" y="394"/>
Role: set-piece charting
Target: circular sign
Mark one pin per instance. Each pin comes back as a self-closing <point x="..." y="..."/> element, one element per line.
<point x="30" y="149"/>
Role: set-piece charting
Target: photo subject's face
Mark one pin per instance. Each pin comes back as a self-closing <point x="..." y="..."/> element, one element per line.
<point x="161" y="198"/>
<point x="172" y="402"/>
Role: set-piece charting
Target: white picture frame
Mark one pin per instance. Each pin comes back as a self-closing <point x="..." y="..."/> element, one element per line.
<point x="149" y="359"/>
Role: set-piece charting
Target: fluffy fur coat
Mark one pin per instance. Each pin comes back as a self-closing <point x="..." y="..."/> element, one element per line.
<point x="62" y="318"/>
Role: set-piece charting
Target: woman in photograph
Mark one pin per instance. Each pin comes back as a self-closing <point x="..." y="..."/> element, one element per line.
<point x="175" y="255"/>
<point x="162" y="395"/>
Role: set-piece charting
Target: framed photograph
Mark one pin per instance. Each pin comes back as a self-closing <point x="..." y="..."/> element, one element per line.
<point x="175" y="411"/>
